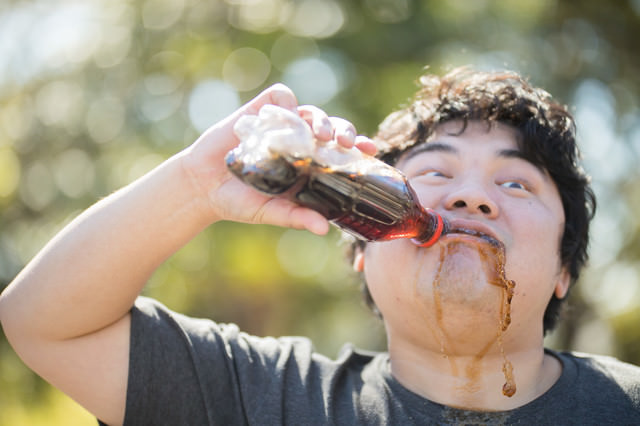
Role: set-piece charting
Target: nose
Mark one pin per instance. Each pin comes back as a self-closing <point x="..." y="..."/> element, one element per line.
<point x="472" y="198"/>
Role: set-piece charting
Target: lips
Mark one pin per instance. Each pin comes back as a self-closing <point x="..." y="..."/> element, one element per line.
<point x="475" y="229"/>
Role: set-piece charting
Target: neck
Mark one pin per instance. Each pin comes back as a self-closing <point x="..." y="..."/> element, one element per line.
<point x="474" y="381"/>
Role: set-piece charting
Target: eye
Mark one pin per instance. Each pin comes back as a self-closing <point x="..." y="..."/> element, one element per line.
<point x="514" y="184"/>
<point x="429" y="177"/>
<point x="433" y="173"/>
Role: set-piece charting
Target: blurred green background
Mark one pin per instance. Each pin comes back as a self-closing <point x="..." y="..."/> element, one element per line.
<point x="95" y="93"/>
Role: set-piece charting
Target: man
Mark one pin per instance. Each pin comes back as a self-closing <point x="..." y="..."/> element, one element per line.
<point x="494" y="156"/>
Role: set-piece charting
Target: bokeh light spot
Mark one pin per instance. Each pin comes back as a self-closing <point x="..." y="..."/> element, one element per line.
<point x="113" y="48"/>
<point x="246" y="68"/>
<point x="59" y="103"/>
<point x="38" y="189"/>
<point x="156" y="108"/>
<point x="620" y="289"/>
<point x="288" y="48"/>
<point x="302" y="254"/>
<point x="9" y="172"/>
<point x="319" y="19"/>
<point x="161" y="84"/>
<point x="105" y="119"/>
<point x="312" y="79"/>
<point x="161" y="14"/>
<point x="16" y="118"/>
<point x="210" y="102"/>
<point x="258" y="16"/>
<point x="595" y="117"/>
<point x="74" y="173"/>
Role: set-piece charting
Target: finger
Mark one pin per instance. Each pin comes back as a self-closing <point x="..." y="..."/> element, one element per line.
<point x="318" y="120"/>
<point x="310" y="220"/>
<point x="366" y="145"/>
<point x="344" y="132"/>
<point x="278" y="94"/>
<point x="283" y="96"/>
<point x="282" y="212"/>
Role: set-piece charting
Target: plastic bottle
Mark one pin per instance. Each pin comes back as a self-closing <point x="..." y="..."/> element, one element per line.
<point x="356" y="192"/>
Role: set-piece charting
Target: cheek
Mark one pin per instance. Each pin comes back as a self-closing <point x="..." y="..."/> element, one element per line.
<point x="429" y="195"/>
<point x="388" y="267"/>
<point x="379" y="277"/>
<point x="538" y="234"/>
<point x="533" y="260"/>
<point x="396" y="271"/>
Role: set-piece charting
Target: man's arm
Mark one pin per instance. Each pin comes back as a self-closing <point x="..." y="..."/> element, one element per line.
<point x="67" y="313"/>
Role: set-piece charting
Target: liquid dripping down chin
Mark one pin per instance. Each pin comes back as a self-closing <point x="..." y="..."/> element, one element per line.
<point x="492" y="256"/>
<point x="496" y="256"/>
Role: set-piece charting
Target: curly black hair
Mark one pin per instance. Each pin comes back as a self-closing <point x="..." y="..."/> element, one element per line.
<point x="547" y="139"/>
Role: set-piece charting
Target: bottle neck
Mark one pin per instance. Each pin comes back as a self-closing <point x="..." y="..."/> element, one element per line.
<point x="432" y="227"/>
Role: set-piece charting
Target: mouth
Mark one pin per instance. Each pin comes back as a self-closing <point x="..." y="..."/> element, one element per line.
<point x="471" y="228"/>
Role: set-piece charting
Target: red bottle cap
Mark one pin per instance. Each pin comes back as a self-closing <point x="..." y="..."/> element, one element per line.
<point x="439" y="228"/>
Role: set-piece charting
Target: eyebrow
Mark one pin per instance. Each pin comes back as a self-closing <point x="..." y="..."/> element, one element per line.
<point x="512" y="153"/>
<point x="429" y="147"/>
<point x="437" y="146"/>
<point x="517" y="154"/>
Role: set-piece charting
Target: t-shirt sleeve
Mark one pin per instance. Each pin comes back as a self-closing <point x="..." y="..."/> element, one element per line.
<point x="193" y="371"/>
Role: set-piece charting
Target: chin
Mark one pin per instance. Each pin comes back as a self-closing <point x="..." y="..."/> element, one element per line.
<point x="465" y="299"/>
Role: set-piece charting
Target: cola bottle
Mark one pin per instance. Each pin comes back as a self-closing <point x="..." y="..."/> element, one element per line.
<point x="356" y="192"/>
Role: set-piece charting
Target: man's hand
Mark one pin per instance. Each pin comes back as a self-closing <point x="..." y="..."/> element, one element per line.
<point x="227" y="198"/>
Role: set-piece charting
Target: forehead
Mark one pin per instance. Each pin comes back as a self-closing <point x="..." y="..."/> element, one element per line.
<point x="481" y="135"/>
<point x="474" y="137"/>
<point x="488" y="131"/>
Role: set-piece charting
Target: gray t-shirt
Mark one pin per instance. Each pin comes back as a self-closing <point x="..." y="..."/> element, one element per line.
<point x="186" y="371"/>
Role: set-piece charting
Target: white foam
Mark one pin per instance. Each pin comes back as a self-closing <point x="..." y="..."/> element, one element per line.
<point x="276" y="130"/>
<point x="273" y="130"/>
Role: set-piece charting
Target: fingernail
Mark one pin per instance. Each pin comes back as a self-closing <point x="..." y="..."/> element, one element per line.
<point x="351" y="134"/>
<point x="322" y="128"/>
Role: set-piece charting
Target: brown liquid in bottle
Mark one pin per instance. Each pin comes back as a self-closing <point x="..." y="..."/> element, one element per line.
<point x="492" y="254"/>
<point x="373" y="207"/>
<point x="369" y="199"/>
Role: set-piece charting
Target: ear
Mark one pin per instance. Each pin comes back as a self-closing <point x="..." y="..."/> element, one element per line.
<point x="562" y="285"/>
<point x="358" y="261"/>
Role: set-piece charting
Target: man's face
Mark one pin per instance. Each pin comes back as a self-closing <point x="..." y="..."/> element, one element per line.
<point x="443" y="296"/>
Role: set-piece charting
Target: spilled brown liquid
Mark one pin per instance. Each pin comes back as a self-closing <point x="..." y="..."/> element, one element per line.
<point x="492" y="255"/>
